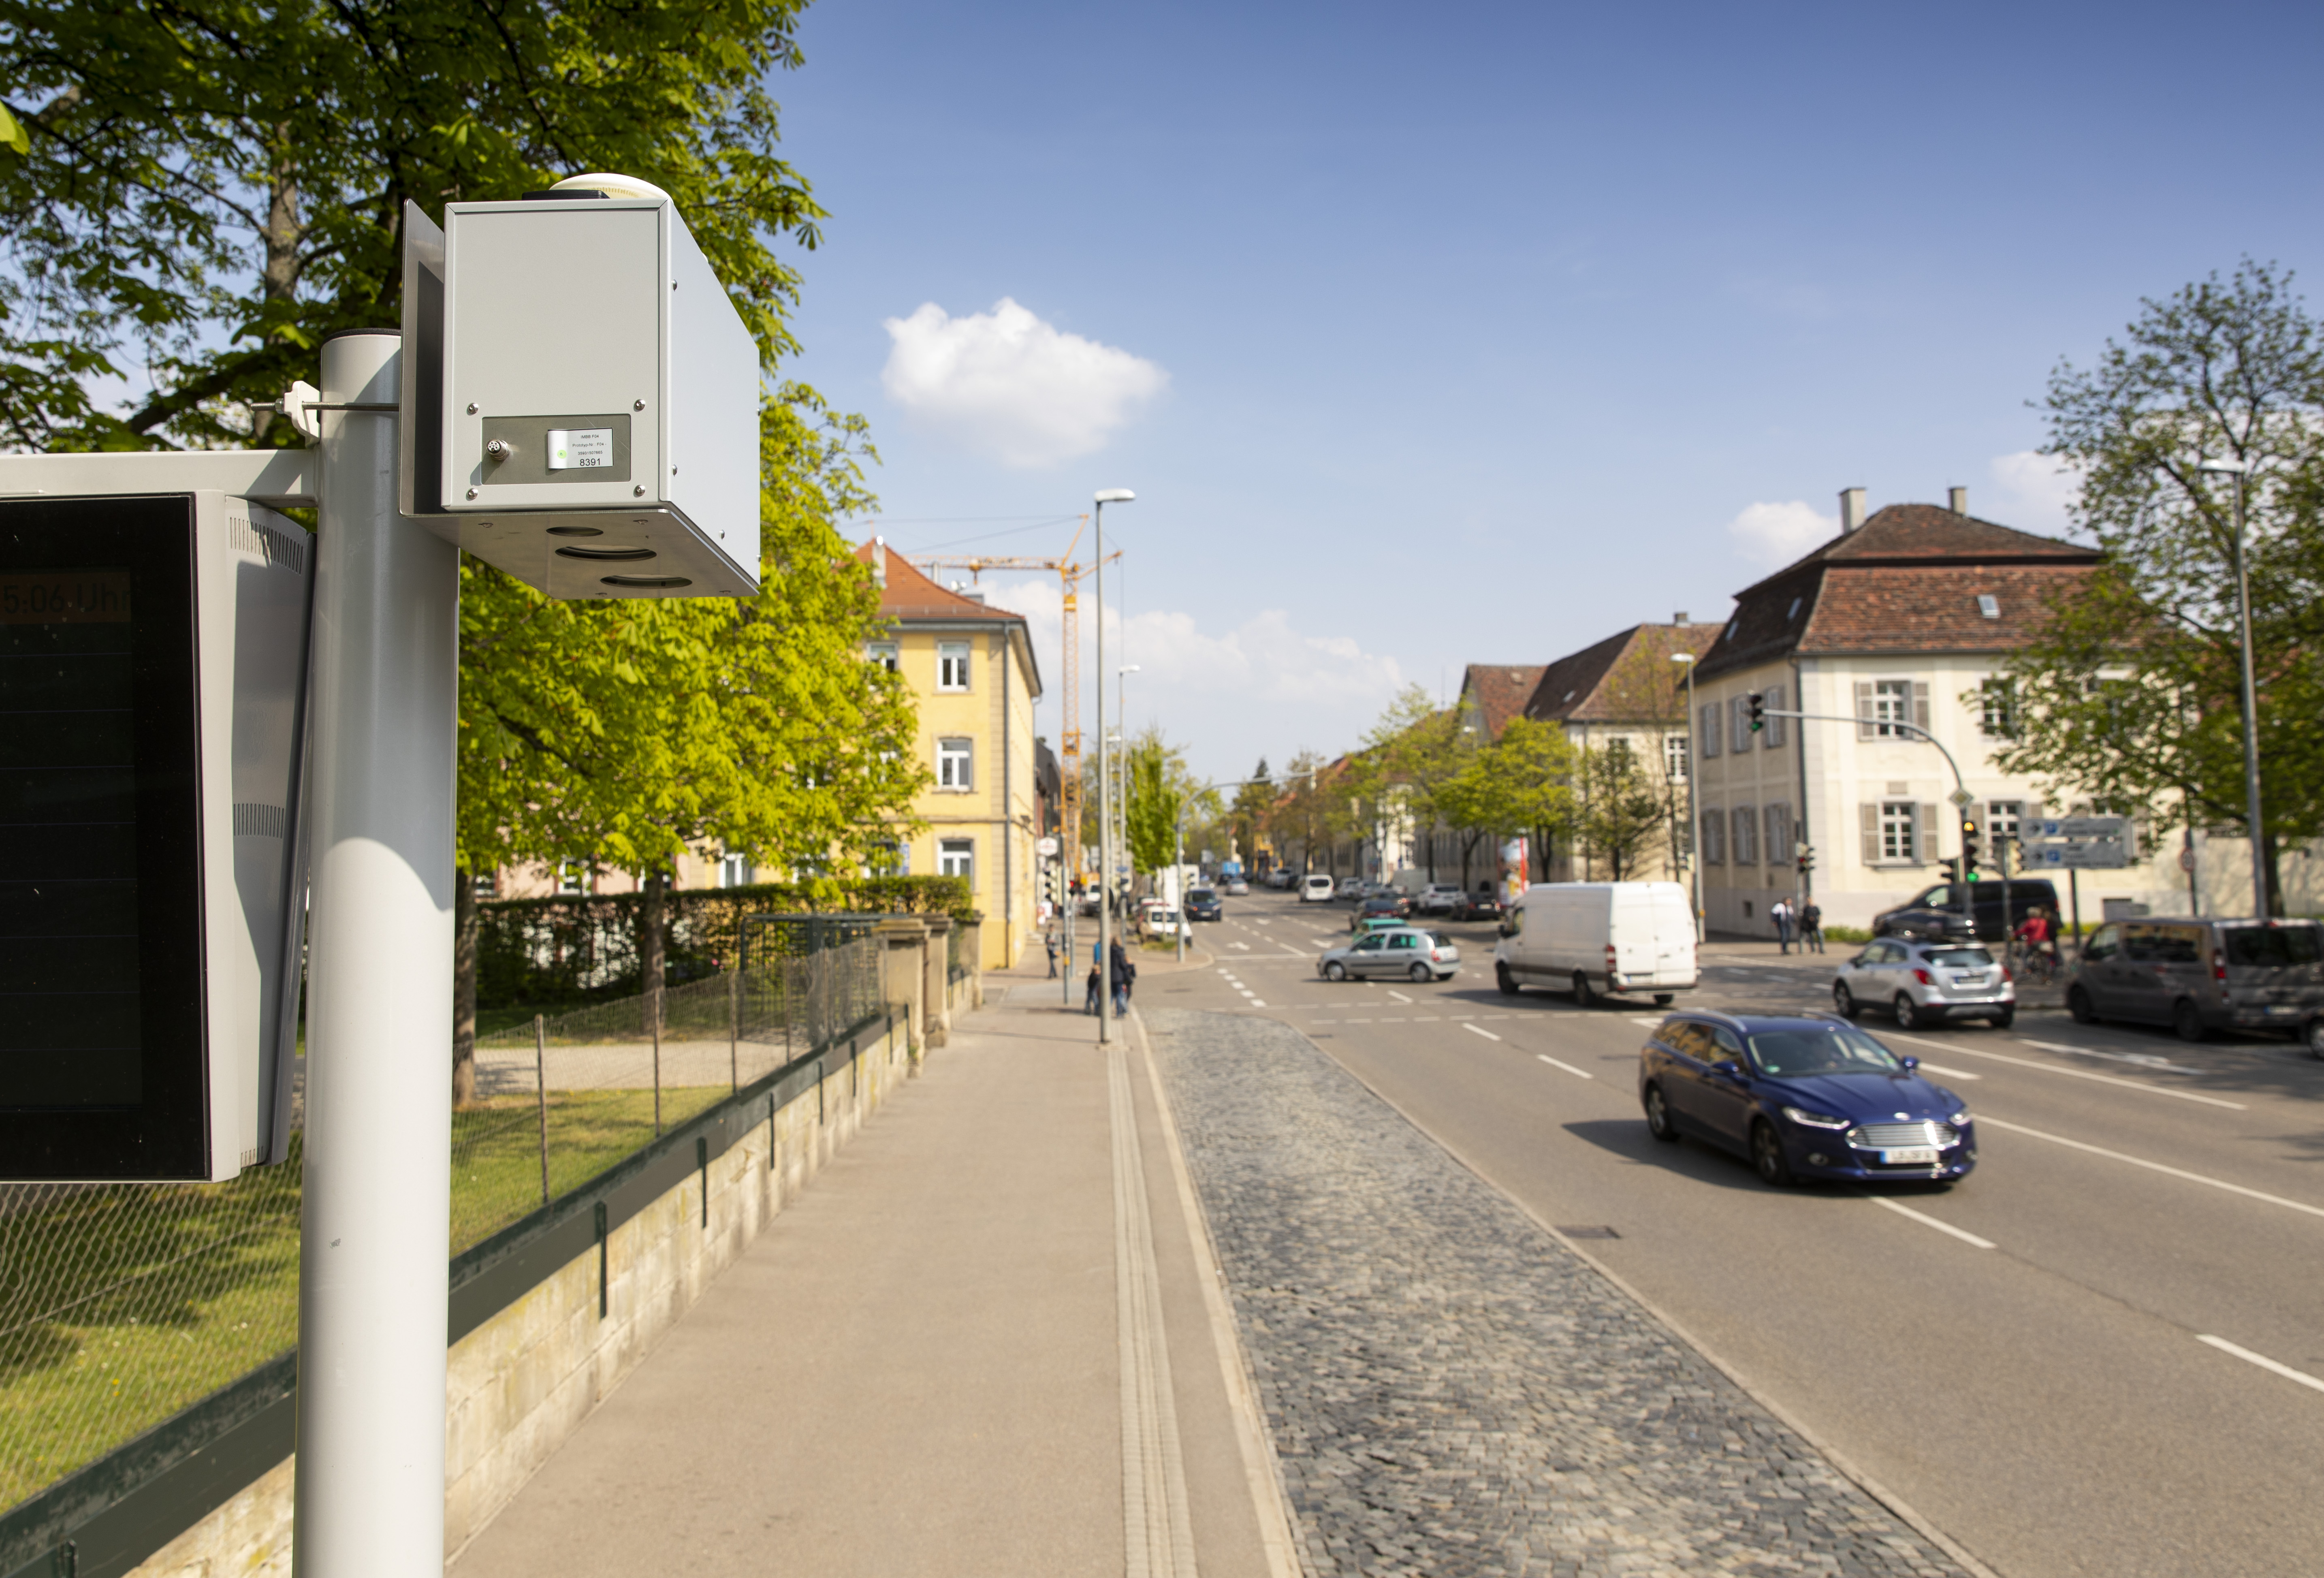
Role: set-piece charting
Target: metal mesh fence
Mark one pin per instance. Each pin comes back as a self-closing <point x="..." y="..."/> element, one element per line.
<point x="122" y="1303"/>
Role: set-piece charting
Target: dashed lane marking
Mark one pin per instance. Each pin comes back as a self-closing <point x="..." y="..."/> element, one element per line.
<point x="2156" y="1167"/>
<point x="1928" y="1221"/>
<point x="1480" y="1030"/>
<point x="1400" y="996"/>
<point x="2128" y="1084"/>
<point x="1554" y="1062"/>
<point x="1949" y="1072"/>
<point x="2264" y="1362"/>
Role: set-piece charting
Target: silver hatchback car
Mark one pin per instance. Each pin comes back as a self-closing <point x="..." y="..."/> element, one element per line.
<point x="1405" y="952"/>
<point x="1926" y="982"/>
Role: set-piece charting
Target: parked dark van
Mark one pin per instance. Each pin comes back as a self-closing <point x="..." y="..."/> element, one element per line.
<point x="2201" y="975"/>
<point x="1937" y="912"/>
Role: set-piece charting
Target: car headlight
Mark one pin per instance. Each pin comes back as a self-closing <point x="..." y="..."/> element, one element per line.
<point x="1959" y="1119"/>
<point x="1816" y="1120"/>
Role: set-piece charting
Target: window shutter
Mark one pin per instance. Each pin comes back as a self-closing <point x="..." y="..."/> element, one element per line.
<point x="1926" y="825"/>
<point x="1775" y="725"/>
<point x="1869" y="813"/>
<point x="1709" y="728"/>
<point x="1864" y="727"/>
<point x="1920" y="702"/>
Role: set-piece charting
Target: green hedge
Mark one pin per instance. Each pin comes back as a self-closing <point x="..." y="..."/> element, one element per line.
<point x="576" y="948"/>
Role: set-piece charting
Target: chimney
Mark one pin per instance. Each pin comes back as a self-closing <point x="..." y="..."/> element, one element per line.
<point x="879" y="562"/>
<point x="1851" y="509"/>
<point x="1679" y="619"/>
<point x="1957" y="500"/>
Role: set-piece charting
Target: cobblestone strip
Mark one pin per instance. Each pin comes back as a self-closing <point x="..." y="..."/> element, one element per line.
<point x="1451" y="1390"/>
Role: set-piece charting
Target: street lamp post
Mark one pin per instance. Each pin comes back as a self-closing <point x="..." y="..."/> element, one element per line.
<point x="1694" y="817"/>
<point x="1112" y="495"/>
<point x="2241" y="472"/>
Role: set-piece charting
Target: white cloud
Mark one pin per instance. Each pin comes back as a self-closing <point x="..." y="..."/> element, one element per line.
<point x="1775" y="534"/>
<point x="2036" y="492"/>
<point x="1012" y="386"/>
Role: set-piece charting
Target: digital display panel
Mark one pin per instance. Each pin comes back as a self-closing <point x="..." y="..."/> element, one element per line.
<point x="102" y="1050"/>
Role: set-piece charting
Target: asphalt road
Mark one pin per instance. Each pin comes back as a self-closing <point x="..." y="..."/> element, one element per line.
<point x="2102" y="1353"/>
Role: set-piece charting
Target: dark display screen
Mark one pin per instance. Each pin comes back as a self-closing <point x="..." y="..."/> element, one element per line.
<point x="101" y="1034"/>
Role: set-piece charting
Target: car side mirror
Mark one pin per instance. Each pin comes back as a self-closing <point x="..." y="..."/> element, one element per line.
<point x="1728" y="1067"/>
<point x="1911" y="1064"/>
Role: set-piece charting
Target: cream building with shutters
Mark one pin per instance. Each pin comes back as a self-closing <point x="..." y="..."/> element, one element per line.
<point x="1904" y="617"/>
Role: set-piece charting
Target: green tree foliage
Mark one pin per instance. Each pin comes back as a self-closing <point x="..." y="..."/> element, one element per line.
<point x="1523" y="782"/>
<point x="2130" y="695"/>
<point x="1310" y="812"/>
<point x="1247" y="815"/>
<point x="1414" y="751"/>
<point x="1623" y="808"/>
<point x="198" y="192"/>
<point x="1161" y="786"/>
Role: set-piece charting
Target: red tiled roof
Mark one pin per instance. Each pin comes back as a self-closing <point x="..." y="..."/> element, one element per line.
<point x="1501" y="689"/>
<point x="1907" y="580"/>
<point x="1577" y="688"/>
<point x="909" y="595"/>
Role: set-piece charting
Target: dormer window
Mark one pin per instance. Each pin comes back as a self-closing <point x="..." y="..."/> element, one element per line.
<point x="1794" y="614"/>
<point x="1988" y="605"/>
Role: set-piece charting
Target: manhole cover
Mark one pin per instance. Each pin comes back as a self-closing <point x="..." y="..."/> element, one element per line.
<point x="1589" y="1232"/>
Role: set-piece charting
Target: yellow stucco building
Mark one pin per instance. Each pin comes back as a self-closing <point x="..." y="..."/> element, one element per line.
<point x="971" y="669"/>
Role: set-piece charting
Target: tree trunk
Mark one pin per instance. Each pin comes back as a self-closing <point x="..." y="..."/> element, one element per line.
<point x="463" y="988"/>
<point x="652" y="944"/>
<point x="2272" y="857"/>
<point x="285" y="232"/>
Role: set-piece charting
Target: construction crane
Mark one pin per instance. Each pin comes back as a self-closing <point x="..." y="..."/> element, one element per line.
<point x="1069" y="752"/>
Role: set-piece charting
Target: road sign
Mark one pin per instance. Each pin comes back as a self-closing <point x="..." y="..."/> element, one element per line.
<point x="2186" y="860"/>
<point x="1962" y="798"/>
<point x="2093" y="854"/>
<point x="2114" y="827"/>
<point x="1046" y="848"/>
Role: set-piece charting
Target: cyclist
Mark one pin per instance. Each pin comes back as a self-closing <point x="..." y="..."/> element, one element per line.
<point x="2033" y="934"/>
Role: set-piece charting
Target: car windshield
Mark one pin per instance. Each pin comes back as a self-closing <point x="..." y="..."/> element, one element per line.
<point x="1200" y="894"/>
<point x="1823" y="1049"/>
<point x="1960" y="958"/>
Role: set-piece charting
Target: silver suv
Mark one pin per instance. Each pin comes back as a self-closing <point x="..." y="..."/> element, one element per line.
<point x="1926" y="982"/>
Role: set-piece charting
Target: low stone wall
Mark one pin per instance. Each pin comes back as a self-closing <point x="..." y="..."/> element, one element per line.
<point x="528" y="1367"/>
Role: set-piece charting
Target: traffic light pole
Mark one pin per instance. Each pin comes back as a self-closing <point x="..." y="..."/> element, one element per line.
<point x="1898" y="726"/>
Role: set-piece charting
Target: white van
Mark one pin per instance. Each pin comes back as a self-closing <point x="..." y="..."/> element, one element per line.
<point x="1317" y="888"/>
<point x="1623" y="939"/>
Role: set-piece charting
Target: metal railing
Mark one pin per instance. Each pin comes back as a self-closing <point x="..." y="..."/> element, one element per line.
<point x="122" y="1303"/>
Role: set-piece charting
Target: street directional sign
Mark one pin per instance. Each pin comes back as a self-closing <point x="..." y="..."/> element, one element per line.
<point x="2114" y="827"/>
<point x="1962" y="798"/>
<point x="2094" y="855"/>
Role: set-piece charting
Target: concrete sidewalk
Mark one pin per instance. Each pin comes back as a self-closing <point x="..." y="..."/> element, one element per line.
<point x="981" y="1343"/>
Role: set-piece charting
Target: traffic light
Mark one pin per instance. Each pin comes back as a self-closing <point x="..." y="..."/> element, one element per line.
<point x="1968" y="847"/>
<point x="1758" y="701"/>
<point x="1807" y="859"/>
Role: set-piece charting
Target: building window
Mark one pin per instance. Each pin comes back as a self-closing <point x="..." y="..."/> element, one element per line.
<point x="2003" y="819"/>
<point x="1897" y="833"/>
<point x="1780" y="834"/>
<point x="1714" y="838"/>
<point x="733" y="870"/>
<point x="572" y="877"/>
<point x="485" y="885"/>
<point x="955" y="764"/>
<point x="1746" y="836"/>
<point x="1997" y="708"/>
<point x="1883" y="704"/>
<point x="1774" y="738"/>
<point x="882" y="653"/>
<point x="957" y="857"/>
<point x="952" y="665"/>
<point x="1710" y="730"/>
<point x="1674" y="758"/>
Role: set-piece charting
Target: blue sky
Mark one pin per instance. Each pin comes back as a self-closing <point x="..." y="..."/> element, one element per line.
<point x="1474" y="333"/>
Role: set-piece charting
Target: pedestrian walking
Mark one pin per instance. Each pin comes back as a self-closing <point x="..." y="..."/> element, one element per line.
<point x="1810" y="928"/>
<point x="1782" y="915"/>
<point x="1049" y="942"/>
<point x="1123" y="973"/>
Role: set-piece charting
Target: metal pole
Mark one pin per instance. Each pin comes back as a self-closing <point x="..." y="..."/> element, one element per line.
<point x="1178" y="873"/>
<point x="734" y="1029"/>
<point x="2251" y="714"/>
<point x="1104" y="810"/>
<point x="540" y="1095"/>
<point x="653" y="1008"/>
<point x="375" y="1231"/>
<point x="1693" y="816"/>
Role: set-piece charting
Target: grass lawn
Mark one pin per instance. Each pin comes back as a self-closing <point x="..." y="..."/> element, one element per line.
<point x="119" y="1306"/>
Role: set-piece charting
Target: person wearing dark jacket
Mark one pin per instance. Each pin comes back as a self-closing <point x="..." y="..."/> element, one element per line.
<point x="1123" y="975"/>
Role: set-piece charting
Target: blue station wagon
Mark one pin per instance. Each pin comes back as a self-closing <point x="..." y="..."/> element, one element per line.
<point x="1807" y="1097"/>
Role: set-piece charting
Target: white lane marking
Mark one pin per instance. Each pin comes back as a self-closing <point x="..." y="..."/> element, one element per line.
<point x="2264" y="1362"/>
<point x="1256" y="1003"/>
<point x="1949" y="1072"/>
<point x="1657" y="1021"/>
<point x="2142" y="1059"/>
<point x="1926" y="1221"/>
<point x="1569" y="1068"/>
<point x="1355" y="1021"/>
<point x="1400" y="996"/>
<point x="1246" y="945"/>
<point x="2130" y="1085"/>
<point x="2140" y="1161"/>
<point x="1480" y="1030"/>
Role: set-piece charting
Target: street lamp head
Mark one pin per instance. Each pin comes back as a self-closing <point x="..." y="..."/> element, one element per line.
<point x="2224" y="467"/>
<point x="1129" y="668"/>
<point x="1681" y="657"/>
<point x="1114" y="496"/>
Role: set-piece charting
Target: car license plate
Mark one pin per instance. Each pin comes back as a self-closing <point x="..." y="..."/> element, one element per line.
<point x="1971" y="980"/>
<point x="2283" y="1007"/>
<point x="1911" y="1156"/>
